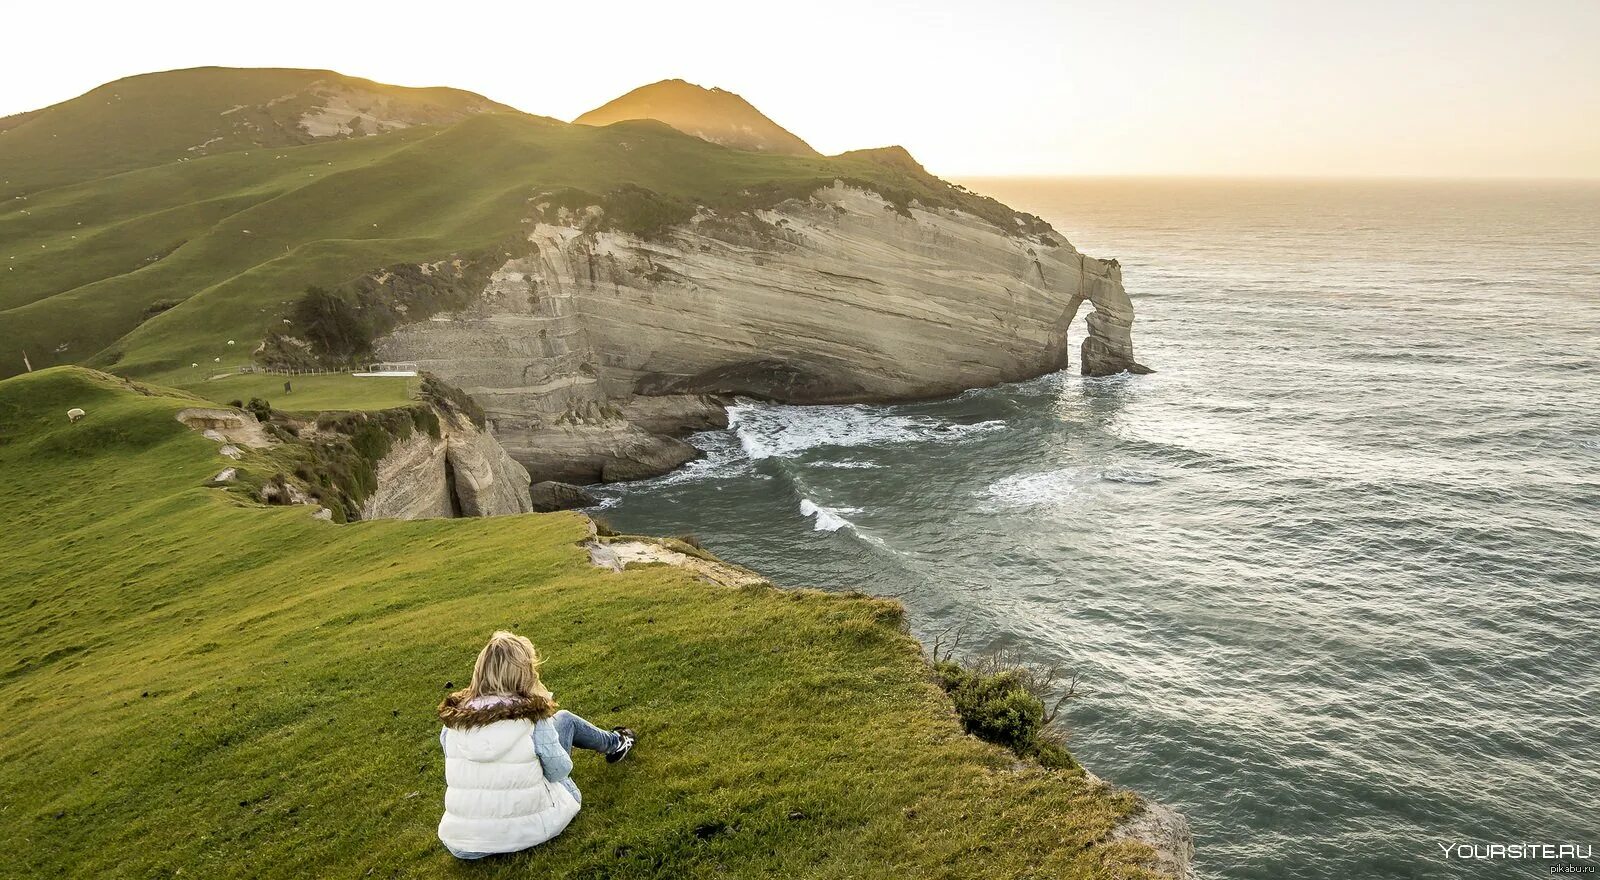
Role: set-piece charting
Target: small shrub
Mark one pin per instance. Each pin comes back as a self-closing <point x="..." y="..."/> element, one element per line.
<point x="236" y="404"/>
<point x="157" y="307"/>
<point x="1005" y="702"/>
<point x="602" y="527"/>
<point x="261" y="409"/>
<point x="692" y="541"/>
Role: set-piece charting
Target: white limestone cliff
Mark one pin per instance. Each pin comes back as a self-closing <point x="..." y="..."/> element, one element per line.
<point x="462" y="472"/>
<point x="596" y="350"/>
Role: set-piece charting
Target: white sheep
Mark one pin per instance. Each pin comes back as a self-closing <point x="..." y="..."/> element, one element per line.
<point x="75" y="414"/>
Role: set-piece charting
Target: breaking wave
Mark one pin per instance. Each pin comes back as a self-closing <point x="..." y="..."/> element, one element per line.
<point x="827" y="519"/>
<point x="781" y="431"/>
<point x="847" y="464"/>
<point x="1057" y="488"/>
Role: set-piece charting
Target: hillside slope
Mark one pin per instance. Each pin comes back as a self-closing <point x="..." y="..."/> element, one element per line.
<point x="203" y="687"/>
<point x="714" y="115"/>
<point x="182" y="115"/>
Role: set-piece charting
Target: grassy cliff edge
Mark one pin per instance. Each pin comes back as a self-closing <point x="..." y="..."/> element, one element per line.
<point x="206" y="687"/>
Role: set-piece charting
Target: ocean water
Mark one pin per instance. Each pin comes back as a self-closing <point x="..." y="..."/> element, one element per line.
<point x="1331" y="576"/>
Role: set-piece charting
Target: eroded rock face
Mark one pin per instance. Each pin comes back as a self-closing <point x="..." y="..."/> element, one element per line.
<point x="595" y="352"/>
<point x="1166" y="831"/>
<point x="487" y="481"/>
<point x="226" y="425"/>
<point x="463" y="472"/>
<point x="412" y="482"/>
<point x="550" y="496"/>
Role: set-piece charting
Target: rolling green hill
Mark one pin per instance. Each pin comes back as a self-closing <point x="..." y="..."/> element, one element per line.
<point x="206" y="688"/>
<point x="183" y="115"/>
<point x="124" y="250"/>
<point x="718" y="116"/>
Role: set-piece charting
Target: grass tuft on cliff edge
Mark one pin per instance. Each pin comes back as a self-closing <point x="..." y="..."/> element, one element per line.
<point x="203" y="686"/>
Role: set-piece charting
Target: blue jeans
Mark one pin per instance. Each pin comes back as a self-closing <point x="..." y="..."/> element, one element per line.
<point x="575" y="731"/>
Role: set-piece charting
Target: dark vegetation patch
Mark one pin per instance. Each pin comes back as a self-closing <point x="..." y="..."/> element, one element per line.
<point x="1005" y="701"/>
<point x="448" y="398"/>
<point x="629" y="208"/>
<point x="660" y="274"/>
<point x="156" y="308"/>
<point x="331" y="323"/>
<point x="336" y="464"/>
<point x="336" y="328"/>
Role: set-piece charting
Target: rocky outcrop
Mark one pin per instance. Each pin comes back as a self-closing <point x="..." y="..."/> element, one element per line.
<point x="596" y="350"/>
<point x="1164" y="830"/>
<point x="413" y="482"/>
<point x="462" y="472"/>
<point x="486" y="480"/>
<point x="618" y="554"/>
<point x="551" y="496"/>
<point x="225" y="426"/>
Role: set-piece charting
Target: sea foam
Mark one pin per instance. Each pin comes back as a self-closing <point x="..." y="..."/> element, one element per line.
<point x="827" y="519"/>
<point x="780" y="431"/>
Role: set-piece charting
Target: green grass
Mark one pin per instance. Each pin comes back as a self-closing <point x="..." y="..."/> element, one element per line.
<point x="312" y="393"/>
<point x="205" y="687"/>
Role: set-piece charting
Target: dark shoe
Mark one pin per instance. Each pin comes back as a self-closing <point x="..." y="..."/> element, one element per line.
<point x="626" y="746"/>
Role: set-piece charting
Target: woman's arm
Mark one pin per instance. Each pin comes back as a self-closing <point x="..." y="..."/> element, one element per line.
<point x="553" y="758"/>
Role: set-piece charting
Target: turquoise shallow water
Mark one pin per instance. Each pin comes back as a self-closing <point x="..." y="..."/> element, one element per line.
<point x="1331" y="576"/>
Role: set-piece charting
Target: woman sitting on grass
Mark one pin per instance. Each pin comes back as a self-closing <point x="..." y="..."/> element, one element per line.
<point x="507" y="755"/>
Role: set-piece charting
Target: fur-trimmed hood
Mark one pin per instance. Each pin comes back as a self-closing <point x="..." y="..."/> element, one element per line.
<point x="458" y="713"/>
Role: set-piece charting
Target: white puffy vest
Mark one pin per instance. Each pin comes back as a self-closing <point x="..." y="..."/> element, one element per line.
<point x="496" y="799"/>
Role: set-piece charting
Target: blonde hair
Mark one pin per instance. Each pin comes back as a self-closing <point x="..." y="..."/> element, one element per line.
<point x="507" y="667"/>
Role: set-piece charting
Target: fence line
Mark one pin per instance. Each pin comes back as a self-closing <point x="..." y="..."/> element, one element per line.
<point x="398" y="367"/>
<point x="283" y="371"/>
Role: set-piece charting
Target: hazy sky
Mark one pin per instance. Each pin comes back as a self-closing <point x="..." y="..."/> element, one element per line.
<point x="1398" y="87"/>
